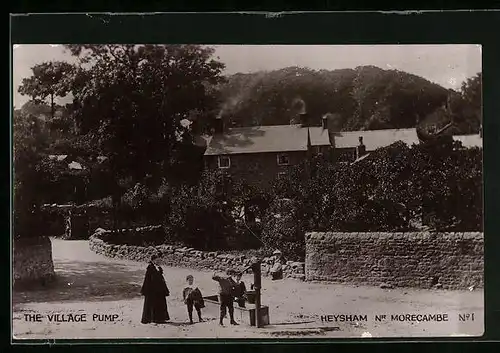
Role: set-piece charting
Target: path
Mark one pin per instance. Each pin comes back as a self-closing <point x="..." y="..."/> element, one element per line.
<point x="92" y="284"/>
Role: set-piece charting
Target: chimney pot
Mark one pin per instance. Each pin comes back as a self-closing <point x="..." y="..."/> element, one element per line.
<point x="361" y="149"/>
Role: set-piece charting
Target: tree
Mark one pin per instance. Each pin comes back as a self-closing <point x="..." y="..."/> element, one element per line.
<point x="199" y="215"/>
<point x="472" y="95"/>
<point x="452" y="185"/>
<point x="391" y="189"/>
<point x="460" y="114"/>
<point x="283" y="229"/>
<point x="28" y="144"/>
<point x="132" y="98"/>
<point x="49" y="80"/>
<point x="471" y="90"/>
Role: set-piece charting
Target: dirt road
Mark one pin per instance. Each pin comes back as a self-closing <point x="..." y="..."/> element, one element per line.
<point x="92" y="284"/>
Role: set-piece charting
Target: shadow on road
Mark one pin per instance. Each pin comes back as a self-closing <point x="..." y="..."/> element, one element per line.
<point x="92" y="281"/>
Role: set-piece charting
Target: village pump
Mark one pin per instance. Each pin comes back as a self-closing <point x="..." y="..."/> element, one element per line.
<point x="257" y="280"/>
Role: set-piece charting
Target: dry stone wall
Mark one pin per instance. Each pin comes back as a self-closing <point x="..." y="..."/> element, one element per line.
<point x="33" y="263"/>
<point x="178" y="256"/>
<point x="425" y="260"/>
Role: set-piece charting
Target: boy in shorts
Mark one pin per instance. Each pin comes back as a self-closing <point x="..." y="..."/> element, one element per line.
<point x="192" y="298"/>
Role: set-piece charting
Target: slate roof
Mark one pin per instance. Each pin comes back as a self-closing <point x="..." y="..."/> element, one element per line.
<point x="372" y="139"/>
<point x="319" y="136"/>
<point x="289" y="138"/>
<point x="469" y="141"/>
<point x="58" y="157"/>
<point x="259" y="139"/>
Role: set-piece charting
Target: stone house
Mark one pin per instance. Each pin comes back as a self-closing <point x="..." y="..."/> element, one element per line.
<point x="347" y="146"/>
<point x="259" y="154"/>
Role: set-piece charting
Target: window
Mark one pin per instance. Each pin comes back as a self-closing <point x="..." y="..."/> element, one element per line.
<point x="283" y="159"/>
<point x="281" y="175"/>
<point x="224" y="162"/>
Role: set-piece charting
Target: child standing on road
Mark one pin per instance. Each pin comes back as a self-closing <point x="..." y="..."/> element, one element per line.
<point x="277" y="269"/>
<point x="226" y="296"/>
<point x="240" y="290"/>
<point x="192" y="298"/>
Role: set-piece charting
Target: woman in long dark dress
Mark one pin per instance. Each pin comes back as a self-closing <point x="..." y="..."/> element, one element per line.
<point x="155" y="290"/>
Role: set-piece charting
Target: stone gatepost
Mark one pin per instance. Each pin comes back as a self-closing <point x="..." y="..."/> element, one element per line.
<point x="77" y="225"/>
<point x="32" y="262"/>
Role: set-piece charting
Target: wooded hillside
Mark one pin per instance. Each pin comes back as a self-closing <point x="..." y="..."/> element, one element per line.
<point x="366" y="98"/>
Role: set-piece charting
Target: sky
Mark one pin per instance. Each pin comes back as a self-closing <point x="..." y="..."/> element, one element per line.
<point x="447" y="65"/>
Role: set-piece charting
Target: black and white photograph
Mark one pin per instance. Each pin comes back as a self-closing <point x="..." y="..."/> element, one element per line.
<point x="187" y="191"/>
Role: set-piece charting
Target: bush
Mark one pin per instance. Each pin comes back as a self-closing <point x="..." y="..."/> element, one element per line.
<point x="393" y="189"/>
<point x="219" y="213"/>
<point x="452" y="182"/>
<point x="376" y="194"/>
<point x="54" y="221"/>
<point x="283" y="229"/>
<point x="244" y="237"/>
<point x="142" y="205"/>
<point x="198" y="219"/>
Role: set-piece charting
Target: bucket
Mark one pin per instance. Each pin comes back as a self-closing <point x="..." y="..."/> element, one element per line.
<point x="251" y="297"/>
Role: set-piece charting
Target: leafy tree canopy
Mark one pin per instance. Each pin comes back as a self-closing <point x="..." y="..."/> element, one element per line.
<point x="366" y="97"/>
<point x="132" y="98"/>
<point x="49" y="80"/>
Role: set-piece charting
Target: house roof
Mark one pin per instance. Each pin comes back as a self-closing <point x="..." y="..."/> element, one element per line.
<point x="372" y="139"/>
<point x="202" y="140"/>
<point x="75" y="165"/>
<point x="259" y="139"/>
<point x="469" y="141"/>
<point x="319" y="136"/>
<point x="58" y="157"/>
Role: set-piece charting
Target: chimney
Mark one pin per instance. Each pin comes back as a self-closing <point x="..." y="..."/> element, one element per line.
<point x="304" y="119"/>
<point x="218" y="126"/>
<point x="324" y="122"/>
<point x="331" y="123"/>
<point x="361" y="149"/>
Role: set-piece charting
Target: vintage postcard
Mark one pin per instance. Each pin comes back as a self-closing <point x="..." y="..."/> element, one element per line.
<point x="247" y="191"/>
